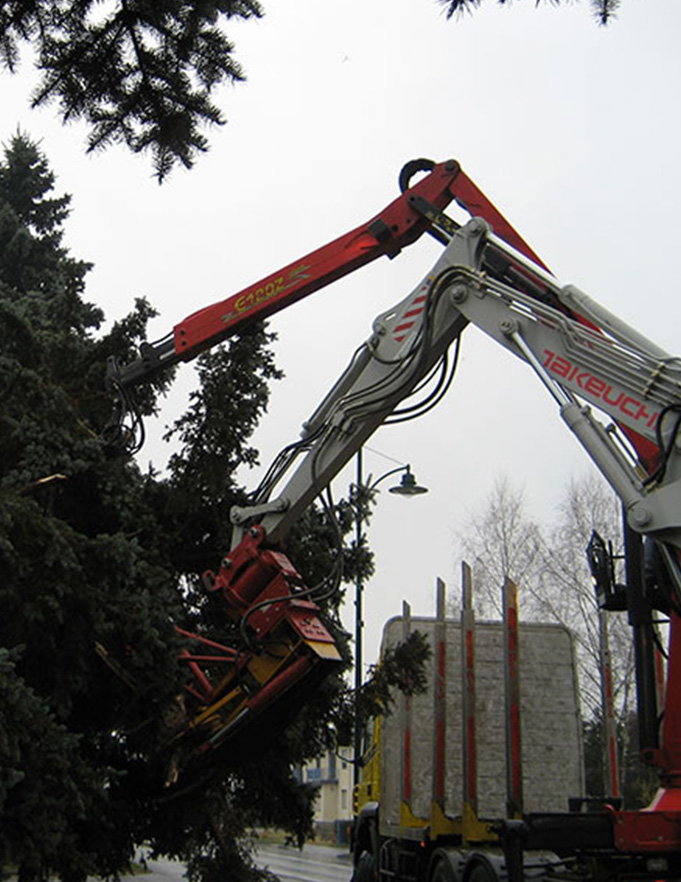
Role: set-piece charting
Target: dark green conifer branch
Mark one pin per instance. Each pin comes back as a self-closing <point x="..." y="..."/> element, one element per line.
<point x="603" y="10"/>
<point x="140" y="73"/>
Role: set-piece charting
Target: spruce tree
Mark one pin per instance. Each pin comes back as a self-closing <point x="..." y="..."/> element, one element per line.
<point x="98" y="564"/>
<point x="93" y="554"/>
<point x="89" y="572"/>
<point x="84" y="584"/>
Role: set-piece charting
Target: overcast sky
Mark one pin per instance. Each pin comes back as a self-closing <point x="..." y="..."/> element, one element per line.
<point x="571" y="129"/>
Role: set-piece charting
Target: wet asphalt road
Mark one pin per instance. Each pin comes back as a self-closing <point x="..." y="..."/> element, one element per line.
<point x="315" y="863"/>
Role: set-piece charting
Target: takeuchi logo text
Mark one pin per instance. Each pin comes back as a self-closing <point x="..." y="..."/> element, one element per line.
<point x="599" y="389"/>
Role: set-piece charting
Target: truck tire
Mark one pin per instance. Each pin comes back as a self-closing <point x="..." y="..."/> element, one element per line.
<point x="365" y="869"/>
<point x="366" y="851"/>
<point x="481" y="872"/>
<point x="442" y="873"/>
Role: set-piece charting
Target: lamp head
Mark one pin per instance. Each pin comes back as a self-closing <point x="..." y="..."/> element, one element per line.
<point x="408" y="485"/>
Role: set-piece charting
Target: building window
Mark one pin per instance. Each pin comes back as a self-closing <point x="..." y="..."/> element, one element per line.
<point x="344" y="799"/>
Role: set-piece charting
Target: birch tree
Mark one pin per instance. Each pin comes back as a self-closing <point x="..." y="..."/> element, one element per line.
<point x="550" y="567"/>
<point x="500" y="540"/>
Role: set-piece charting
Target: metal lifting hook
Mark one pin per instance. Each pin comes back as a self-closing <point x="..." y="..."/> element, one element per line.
<point x="411" y="168"/>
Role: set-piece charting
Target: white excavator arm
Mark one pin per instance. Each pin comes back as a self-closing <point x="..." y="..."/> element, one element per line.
<point x="592" y="364"/>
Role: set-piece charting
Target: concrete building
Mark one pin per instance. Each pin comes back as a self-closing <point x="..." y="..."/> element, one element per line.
<point x="331" y="775"/>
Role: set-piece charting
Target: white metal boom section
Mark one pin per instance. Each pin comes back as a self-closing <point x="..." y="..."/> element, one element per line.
<point x="586" y="358"/>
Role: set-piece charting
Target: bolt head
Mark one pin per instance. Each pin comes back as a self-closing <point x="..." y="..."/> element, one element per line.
<point x="639" y="516"/>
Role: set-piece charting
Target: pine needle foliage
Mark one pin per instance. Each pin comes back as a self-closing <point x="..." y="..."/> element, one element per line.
<point x="89" y="568"/>
<point x="604" y="11"/>
<point x="138" y="72"/>
<point x="99" y="561"/>
<point x="81" y="562"/>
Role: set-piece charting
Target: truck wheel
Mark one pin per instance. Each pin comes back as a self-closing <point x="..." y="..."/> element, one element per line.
<point x="366" y="853"/>
<point x="365" y="869"/>
<point x="481" y="873"/>
<point x="443" y="873"/>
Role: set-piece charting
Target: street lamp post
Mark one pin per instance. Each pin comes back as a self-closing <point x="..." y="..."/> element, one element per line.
<point x="357" y="747"/>
<point x="408" y="486"/>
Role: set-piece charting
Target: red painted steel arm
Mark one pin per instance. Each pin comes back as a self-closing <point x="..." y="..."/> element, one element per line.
<point x="399" y="224"/>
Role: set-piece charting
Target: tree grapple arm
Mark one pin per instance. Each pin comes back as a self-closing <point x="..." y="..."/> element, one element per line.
<point x="230" y="689"/>
<point x="588" y="360"/>
<point x="593" y="365"/>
